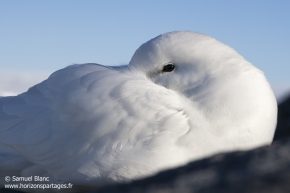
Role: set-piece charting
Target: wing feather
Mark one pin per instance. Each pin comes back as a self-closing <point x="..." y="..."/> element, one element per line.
<point x="88" y="114"/>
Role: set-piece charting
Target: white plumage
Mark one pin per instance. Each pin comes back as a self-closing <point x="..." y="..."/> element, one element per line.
<point x="183" y="96"/>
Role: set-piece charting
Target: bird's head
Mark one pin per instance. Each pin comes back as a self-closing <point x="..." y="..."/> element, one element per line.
<point x="184" y="61"/>
<point x="233" y="95"/>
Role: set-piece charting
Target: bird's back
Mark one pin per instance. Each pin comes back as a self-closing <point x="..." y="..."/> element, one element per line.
<point x="90" y="123"/>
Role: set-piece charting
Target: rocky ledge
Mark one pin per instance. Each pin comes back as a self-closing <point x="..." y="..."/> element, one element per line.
<point x="265" y="169"/>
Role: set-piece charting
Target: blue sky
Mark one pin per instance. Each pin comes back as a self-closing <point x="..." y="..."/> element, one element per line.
<point x="39" y="37"/>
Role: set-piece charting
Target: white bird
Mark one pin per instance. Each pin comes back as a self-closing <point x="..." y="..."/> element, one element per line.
<point x="183" y="96"/>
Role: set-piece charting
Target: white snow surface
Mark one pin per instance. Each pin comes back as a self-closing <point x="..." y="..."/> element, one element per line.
<point x="91" y="125"/>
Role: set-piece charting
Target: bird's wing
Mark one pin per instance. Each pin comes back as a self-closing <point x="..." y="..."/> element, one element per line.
<point x="74" y="125"/>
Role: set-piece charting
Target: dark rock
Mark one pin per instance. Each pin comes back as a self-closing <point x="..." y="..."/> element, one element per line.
<point x="3" y="190"/>
<point x="265" y="169"/>
<point x="283" y="125"/>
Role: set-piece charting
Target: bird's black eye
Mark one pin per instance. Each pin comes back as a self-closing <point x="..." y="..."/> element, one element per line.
<point x="168" y="67"/>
